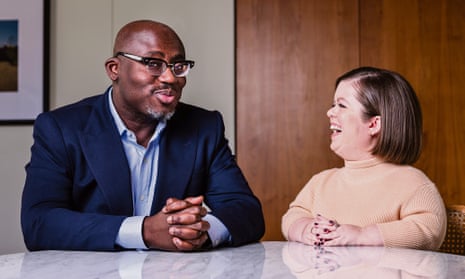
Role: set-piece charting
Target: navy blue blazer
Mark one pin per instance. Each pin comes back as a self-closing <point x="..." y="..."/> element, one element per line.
<point x="78" y="187"/>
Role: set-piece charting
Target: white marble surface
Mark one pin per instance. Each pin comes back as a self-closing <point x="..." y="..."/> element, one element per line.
<point x="259" y="260"/>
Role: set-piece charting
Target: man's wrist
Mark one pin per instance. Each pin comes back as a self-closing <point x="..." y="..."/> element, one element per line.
<point x="130" y="234"/>
<point x="142" y="233"/>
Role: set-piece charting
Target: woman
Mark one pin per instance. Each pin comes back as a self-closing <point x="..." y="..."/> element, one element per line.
<point x="377" y="198"/>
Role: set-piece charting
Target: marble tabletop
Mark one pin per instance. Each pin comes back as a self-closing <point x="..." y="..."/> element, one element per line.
<point x="268" y="259"/>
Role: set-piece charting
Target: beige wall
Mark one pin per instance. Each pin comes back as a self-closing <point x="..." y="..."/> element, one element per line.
<point x="81" y="39"/>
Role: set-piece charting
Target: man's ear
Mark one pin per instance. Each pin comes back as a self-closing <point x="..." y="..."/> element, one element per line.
<point x="111" y="66"/>
<point x="375" y="125"/>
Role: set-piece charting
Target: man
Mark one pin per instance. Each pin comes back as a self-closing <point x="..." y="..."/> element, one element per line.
<point x="134" y="168"/>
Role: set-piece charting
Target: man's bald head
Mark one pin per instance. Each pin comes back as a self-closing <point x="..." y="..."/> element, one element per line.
<point x="133" y="33"/>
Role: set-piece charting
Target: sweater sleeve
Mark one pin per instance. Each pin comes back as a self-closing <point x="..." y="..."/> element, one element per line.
<point x="422" y="223"/>
<point x="299" y="208"/>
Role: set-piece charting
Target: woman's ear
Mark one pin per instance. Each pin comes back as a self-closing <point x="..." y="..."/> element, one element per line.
<point x="375" y="125"/>
<point x="111" y="66"/>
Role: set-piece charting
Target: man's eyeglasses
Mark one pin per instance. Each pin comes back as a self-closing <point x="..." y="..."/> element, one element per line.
<point x="157" y="67"/>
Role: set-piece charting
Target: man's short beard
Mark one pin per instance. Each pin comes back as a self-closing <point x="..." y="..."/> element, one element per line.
<point x="160" y="116"/>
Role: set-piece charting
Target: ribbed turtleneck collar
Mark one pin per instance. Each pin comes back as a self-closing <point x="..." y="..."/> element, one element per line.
<point x="364" y="171"/>
<point x="363" y="163"/>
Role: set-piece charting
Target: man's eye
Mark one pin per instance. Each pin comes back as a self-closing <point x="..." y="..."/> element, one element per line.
<point x="155" y="64"/>
<point x="179" y="66"/>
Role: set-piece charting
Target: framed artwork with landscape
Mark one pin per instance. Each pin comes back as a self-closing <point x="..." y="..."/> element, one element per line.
<point x="23" y="60"/>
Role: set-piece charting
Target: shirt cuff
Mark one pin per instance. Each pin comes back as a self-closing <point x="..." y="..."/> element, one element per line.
<point x="218" y="232"/>
<point x="130" y="233"/>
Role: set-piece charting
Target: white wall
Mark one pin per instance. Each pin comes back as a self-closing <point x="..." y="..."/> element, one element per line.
<point x="82" y="33"/>
<point x="14" y="150"/>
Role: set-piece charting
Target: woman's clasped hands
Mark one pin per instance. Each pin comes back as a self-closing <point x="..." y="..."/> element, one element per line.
<point x="321" y="230"/>
<point x="328" y="232"/>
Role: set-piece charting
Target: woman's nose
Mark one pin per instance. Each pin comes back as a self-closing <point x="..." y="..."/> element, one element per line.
<point x="330" y="113"/>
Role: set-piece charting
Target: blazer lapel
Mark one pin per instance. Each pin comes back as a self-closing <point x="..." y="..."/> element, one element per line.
<point x="178" y="145"/>
<point x="105" y="154"/>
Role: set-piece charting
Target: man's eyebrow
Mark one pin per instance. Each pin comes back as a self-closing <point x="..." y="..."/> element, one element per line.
<point x="156" y="53"/>
<point x="162" y="54"/>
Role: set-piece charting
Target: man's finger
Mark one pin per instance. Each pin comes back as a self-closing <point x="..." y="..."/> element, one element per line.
<point x="189" y="245"/>
<point x="173" y="204"/>
<point x="189" y="232"/>
<point x="195" y="200"/>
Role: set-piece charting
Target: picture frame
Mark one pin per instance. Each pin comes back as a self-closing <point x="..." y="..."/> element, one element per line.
<point x="24" y="56"/>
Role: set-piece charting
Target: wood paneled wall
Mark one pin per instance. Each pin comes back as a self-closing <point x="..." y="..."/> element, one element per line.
<point x="288" y="55"/>
<point x="425" y="41"/>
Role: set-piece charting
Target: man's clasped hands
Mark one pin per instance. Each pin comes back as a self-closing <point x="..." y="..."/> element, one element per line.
<point x="178" y="226"/>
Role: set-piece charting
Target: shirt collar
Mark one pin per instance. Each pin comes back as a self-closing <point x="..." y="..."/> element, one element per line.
<point x="122" y="129"/>
<point x="119" y="123"/>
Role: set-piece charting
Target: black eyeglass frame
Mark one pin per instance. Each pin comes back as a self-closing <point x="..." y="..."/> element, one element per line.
<point x="146" y="61"/>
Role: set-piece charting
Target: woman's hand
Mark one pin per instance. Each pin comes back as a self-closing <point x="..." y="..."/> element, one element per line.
<point x="328" y="232"/>
<point x="356" y="236"/>
<point x="324" y="230"/>
<point x="312" y="231"/>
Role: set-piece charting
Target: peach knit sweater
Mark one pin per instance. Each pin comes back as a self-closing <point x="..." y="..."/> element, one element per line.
<point x="402" y="200"/>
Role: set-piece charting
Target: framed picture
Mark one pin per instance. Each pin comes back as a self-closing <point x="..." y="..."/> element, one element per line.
<point x="24" y="37"/>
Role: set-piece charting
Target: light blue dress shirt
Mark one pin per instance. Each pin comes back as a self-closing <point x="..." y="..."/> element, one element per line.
<point x="143" y="164"/>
